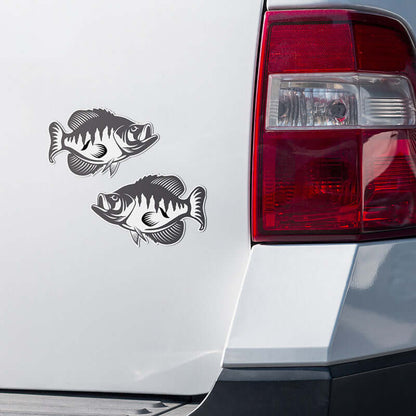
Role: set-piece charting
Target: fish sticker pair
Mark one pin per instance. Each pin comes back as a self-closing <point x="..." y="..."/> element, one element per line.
<point x="151" y="209"/>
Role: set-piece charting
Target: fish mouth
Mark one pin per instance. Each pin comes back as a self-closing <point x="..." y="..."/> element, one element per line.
<point x="143" y="143"/>
<point x="147" y="134"/>
<point x="102" y="204"/>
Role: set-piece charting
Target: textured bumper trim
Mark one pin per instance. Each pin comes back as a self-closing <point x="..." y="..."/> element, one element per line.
<point x="379" y="386"/>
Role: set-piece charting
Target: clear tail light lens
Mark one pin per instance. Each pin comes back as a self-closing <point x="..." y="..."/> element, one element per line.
<point x="334" y="154"/>
<point x="339" y="100"/>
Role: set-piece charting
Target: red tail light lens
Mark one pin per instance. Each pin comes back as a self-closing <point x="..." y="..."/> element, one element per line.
<point x="310" y="183"/>
<point x="389" y="180"/>
<point x="334" y="155"/>
<point x="310" y="48"/>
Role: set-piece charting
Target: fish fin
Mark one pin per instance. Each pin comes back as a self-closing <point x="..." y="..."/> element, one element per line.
<point x="149" y="219"/>
<point x="170" y="235"/>
<point x="113" y="168"/>
<point x="81" y="167"/>
<point x="80" y="117"/>
<point x="135" y="236"/>
<point x="98" y="150"/>
<point x="197" y="204"/>
<point x="102" y="113"/>
<point x="107" y="166"/>
<point x="57" y="133"/>
<point x="143" y="236"/>
<point x="171" y="183"/>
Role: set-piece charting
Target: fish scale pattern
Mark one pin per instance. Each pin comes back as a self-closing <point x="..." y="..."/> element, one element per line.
<point x="51" y="405"/>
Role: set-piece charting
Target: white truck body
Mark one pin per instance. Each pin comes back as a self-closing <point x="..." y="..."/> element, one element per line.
<point x="82" y="307"/>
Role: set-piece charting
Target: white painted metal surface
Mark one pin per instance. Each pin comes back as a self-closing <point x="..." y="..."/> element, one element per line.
<point x="289" y="304"/>
<point x="378" y="315"/>
<point x="321" y="304"/>
<point x="81" y="306"/>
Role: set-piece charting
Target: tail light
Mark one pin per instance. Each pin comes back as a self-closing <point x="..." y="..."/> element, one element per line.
<point x="334" y="153"/>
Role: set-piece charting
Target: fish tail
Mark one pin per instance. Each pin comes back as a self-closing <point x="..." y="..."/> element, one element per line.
<point x="197" y="204"/>
<point x="57" y="133"/>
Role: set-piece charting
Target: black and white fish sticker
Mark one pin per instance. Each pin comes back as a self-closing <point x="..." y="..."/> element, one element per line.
<point x="152" y="208"/>
<point x="99" y="141"/>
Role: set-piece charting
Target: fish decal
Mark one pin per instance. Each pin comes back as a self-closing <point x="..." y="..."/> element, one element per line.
<point x="99" y="141"/>
<point x="153" y="209"/>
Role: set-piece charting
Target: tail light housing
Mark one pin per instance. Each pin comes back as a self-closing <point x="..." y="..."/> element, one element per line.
<point x="334" y="149"/>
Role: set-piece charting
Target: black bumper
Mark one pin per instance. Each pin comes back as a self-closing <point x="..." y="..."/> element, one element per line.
<point x="379" y="386"/>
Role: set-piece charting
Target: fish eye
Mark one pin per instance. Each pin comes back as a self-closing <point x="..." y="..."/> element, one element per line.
<point x="114" y="197"/>
<point x="133" y="129"/>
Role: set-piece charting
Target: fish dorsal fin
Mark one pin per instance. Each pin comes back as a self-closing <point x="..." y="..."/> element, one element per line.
<point x="170" y="183"/>
<point x="103" y="113"/>
<point x="81" y="167"/>
<point x="171" y="235"/>
<point x="80" y="117"/>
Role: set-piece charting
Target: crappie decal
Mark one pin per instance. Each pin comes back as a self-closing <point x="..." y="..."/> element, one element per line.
<point x="153" y="209"/>
<point x="99" y="141"/>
